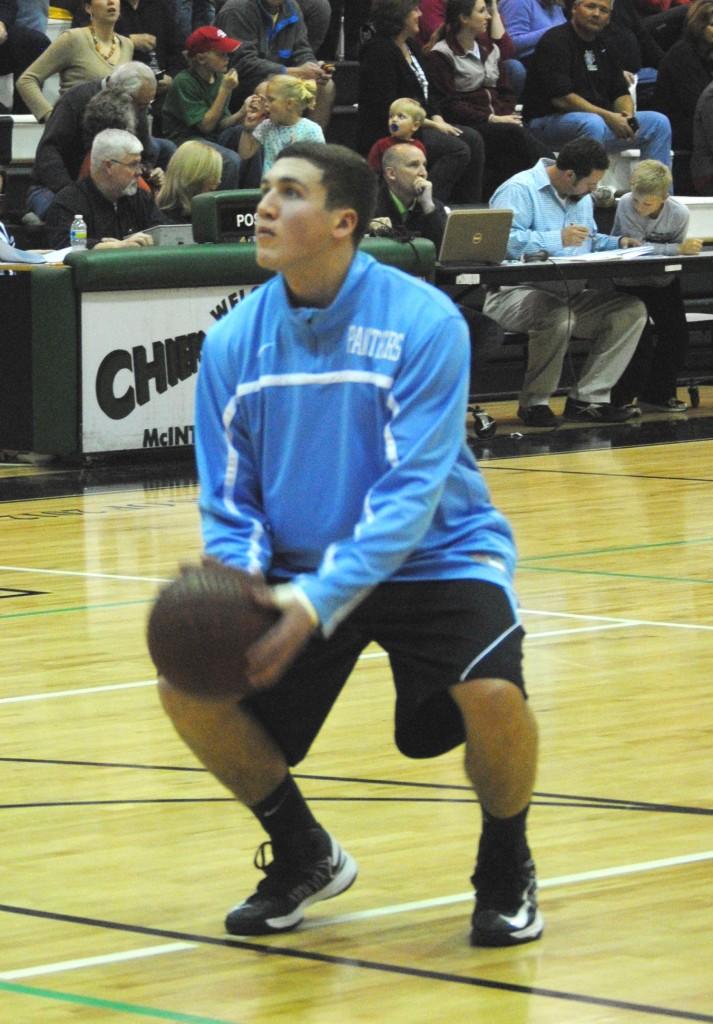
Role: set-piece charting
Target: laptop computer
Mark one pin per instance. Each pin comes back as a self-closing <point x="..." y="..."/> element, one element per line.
<point x="475" y="236"/>
<point x="171" y="234"/>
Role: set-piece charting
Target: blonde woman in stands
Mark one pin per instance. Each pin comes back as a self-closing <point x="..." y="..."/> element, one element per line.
<point x="193" y="169"/>
<point x="77" y="55"/>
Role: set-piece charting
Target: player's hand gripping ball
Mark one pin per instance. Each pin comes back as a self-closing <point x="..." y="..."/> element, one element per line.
<point x="201" y="627"/>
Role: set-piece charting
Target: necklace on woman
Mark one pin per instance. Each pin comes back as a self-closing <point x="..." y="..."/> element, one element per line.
<point x="97" y="45"/>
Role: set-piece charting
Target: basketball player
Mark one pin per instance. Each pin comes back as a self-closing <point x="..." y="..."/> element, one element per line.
<point x="330" y="439"/>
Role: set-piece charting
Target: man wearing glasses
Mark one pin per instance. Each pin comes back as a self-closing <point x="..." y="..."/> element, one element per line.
<point x="116" y="211"/>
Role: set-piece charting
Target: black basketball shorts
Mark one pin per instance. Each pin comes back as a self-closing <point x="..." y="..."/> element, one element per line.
<point x="436" y="633"/>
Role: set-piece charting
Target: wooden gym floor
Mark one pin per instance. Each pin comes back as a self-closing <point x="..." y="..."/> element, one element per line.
<point x="120" y="855"/>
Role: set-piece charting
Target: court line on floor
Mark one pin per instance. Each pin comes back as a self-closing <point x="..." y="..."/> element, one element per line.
<point x="95" y="961"/>
<point x="331" y="959"/>
<point x="612" y="618"/>
<point x="613" y="623"/>
<point x="175" y="1016"/>
<point x="86" y="575"/>
<point x="84" y="690"/>
<point x="547" y="883"/>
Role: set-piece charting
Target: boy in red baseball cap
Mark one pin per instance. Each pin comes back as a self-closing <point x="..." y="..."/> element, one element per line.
<point x="197" y="103"/>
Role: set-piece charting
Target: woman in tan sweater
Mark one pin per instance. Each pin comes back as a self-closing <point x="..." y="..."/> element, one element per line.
<point x="77" y="55"/>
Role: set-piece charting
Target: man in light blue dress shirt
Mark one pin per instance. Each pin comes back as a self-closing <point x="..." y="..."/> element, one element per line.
<point x="553" y="215"/>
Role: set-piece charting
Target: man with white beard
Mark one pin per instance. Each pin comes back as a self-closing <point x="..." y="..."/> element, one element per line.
<point x="115" y="209"/>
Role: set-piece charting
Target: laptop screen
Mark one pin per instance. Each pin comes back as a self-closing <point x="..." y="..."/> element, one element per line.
<point x="475" y="236"/>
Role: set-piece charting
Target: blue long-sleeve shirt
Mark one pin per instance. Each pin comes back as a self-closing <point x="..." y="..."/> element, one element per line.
<point x="539" y="216"/>
<point x="331" y="442"/>
<point x="527" y="20"/>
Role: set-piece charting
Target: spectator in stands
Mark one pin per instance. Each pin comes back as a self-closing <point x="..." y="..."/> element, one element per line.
<point x="648" y="7"/>
<point x="702" y="155"/>
<point x="115" y="108"/>
<point x="391" y="68"/>
<point x="552" y="212"/>
<point x="628" y="39"/>
<point x="405" y="199"/>
<point x="151" y="26"/>
<point x="115" y="210"/>
<point x="406" y="206"/>
<point x="197" y="104"/>
<point x="406" y="117"/>
<point x="685" y="71"/>
<point x="649" y="213"/>
<point x="433" y="16"/>
<point x="192" y="14"/>
<point x="192" y="170"/>
<point x="527" y="21"/>
<point x="109" y="108"/>
<point x="78" y="55"/>
<point x="19" y="47"/>
<point x="274" y="41"/>
<point x="627" y="35"/>
<point x="471" y="88"/>
<point x="574" y="87"/>
<point x="61" y="149"/>
<point x="317" y="15"/>
<point x="34" y="15"/>
<point x="287" y="100"/>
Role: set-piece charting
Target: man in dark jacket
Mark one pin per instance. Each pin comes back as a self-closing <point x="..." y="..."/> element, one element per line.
<point x="61" y="149"/>
<point x="405" y="202"/>
<point x="19" y="47"/>
<point x="274" y="41"/>
<point x="115" y="210"/>
<point x="405" y="206"/>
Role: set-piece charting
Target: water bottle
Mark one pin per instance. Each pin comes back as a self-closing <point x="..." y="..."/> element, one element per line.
<point x="78" y="233"/>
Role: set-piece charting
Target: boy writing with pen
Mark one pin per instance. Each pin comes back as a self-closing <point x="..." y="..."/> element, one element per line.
<point x="651" y="214"/>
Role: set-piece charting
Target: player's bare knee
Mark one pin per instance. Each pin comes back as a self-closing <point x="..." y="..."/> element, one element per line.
<point x="181" y="706"/>
<point x="496" y="703"/>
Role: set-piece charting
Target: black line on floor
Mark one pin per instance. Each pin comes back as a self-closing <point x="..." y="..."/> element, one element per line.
<point x="541" y="799"/>
<point x="368" y="965"/>
<point x="581" y="803"/>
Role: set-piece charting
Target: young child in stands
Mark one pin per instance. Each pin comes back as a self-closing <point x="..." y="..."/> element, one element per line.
<point x="648" y="212"/>
<point x="197" y="105"/>
<point x="287" y="98"/>
<point x="406" y="116"/>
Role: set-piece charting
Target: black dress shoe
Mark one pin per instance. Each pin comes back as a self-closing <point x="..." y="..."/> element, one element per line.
<point x="537" y="416"/>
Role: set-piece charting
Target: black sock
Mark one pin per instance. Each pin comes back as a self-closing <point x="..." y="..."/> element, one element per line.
<point x="502" y="850"/>
<point x="284" y="812"/>
<point x="506" y="834"/>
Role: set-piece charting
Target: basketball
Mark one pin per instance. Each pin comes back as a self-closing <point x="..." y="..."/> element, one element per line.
<point x="201" y="626"/>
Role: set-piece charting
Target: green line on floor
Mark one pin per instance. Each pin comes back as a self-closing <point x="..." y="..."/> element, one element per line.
<point x="619" y="575"/>
<point x="616" y="550"/>
<point x="109" y="1004"/>
<point x="76" y="608"/>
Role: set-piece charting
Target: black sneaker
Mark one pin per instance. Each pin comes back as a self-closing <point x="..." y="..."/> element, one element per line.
<point x="599" y="412"/>
<point x="509" y="925"/>
<point x="537" y="416"/>
<point x="291" y="884"/>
